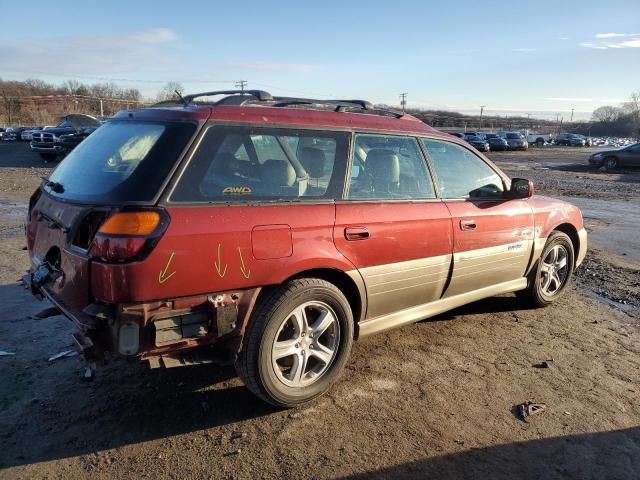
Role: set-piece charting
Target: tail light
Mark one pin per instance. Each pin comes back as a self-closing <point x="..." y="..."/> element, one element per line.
<point x="126" y="236"/>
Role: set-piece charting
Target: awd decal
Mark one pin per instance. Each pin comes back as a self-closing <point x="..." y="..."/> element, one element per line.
<point x="237" y="190"/>
<point x="162" y="276"/>
<point x="218" y="263"/>
<point x="245" y="271"/>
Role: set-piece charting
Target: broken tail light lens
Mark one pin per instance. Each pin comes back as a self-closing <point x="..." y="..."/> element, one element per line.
<point x="126" y="236"/>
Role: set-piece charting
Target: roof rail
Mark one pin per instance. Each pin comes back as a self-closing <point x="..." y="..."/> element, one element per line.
<point x="259" y="94"/>
<point x="244" y="97"/>
<point x="340" y="104"/>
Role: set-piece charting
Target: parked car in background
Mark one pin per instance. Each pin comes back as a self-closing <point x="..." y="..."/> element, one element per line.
<point x="497" y="144"/>
<point x="477" y="142"/>
<point x="570" y="140"/>
<point x="12" y="134"/>
<point x="27" y="135"/>
<point x="2" y="130"/>
<point x="47" y="141"/>
<point x="538" y="139"/>
<point x="623" y="157"/>
<point x="516" y="141"/>
<point x="68" y="142"/>
<point x="133" y="238"/>
<point x="457" y="134"/>
<point x="588" y="142"/>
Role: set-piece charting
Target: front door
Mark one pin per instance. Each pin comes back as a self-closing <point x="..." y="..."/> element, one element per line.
<point x="493" y="236"/>
<point x="391" y="226"/>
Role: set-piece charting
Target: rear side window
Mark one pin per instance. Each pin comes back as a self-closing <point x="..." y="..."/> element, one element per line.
<point x="252" y="163"/>
<point x="460" y="173"/>
<point x="121" y="162"/>
<point x="388" y="167"/>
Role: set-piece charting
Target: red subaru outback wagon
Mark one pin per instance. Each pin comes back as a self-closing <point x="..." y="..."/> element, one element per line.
<point x="273" y="231"/>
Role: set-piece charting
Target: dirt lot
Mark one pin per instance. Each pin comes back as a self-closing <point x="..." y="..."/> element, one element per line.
<point x="434" y="399"/>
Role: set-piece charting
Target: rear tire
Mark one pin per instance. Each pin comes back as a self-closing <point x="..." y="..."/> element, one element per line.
<point x="297" y="342"/>
<point x="552" y="273"/>
<point x="540" y="142"/>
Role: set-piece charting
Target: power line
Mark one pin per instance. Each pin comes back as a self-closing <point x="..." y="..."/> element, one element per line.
<point x="241" y="84"/>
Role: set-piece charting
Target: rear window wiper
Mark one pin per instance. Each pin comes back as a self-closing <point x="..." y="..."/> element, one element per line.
<point x="54" y="186"/>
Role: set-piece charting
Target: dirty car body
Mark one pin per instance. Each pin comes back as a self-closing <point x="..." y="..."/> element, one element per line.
<point x="180" y="234"/>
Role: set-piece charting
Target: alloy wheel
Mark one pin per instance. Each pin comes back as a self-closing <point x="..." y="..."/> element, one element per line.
<point x="553" y="272"/>
<point x="306" y="344"/>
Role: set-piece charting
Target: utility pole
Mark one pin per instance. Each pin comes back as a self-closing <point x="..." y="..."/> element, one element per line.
<point x="102" y="109"/>
<point x="571" y="115"/>
<point x="403" y="101"/>
<point x="241" y="84"/>
<point x="481" y="110"/>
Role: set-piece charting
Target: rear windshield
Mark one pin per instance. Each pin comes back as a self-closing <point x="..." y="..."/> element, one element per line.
<point x="121" y="162"/>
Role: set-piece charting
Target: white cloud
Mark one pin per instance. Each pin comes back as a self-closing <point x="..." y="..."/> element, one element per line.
<point x="592" y="45"/>
<point x="607" y="44"/>
<point x="524" y="49"/>
<point x="612" y="35"/>
<point x="100" y="54"/>
<point x="629" y="44"/>
<point x="563" y="38"/>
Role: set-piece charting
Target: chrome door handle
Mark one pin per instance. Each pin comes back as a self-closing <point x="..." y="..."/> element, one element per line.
<point x="469" y="224"/>
<point x="356" y="233"/>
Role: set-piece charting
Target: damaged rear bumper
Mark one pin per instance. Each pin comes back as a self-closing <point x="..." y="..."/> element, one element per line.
<point x="165" y="332"/>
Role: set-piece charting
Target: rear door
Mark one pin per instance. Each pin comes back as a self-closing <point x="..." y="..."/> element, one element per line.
<point x="253" y="206"/>
<point x="493" y="236"/>
<point x="391" y="226"/>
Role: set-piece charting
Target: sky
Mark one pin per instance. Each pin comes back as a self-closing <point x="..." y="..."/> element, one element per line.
<point x="537" y="57"/>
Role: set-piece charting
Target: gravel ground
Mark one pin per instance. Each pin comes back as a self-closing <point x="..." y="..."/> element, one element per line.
<point x="435" y="399"/>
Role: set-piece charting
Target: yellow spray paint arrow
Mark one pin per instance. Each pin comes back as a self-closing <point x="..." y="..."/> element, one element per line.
<point x="162" y="276"/>
<point x="245" y="271"/>
<point x="218" y="264"/>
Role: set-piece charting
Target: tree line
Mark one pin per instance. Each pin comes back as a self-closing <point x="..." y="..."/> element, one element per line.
<point x="34" y="102"/>
<point x="622" y="120"/>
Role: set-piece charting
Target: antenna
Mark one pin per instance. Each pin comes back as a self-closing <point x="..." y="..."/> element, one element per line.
<point x="184" y="102"/>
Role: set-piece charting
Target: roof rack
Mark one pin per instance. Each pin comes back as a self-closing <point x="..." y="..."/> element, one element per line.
<point x="340" y="104"/>
<point x="256" y="97"/>
<point x="259" y="94"/>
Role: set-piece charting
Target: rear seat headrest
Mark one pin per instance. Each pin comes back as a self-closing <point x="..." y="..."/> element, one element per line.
<point x="278" y="172"/>
<point x="384" y="167"/>
<point x="313" y="160"/>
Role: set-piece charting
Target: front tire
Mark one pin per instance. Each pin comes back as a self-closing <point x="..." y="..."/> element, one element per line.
<point x="610" y="163"/>
<point x="297" y="342"/>
<point x="552" y="273"/>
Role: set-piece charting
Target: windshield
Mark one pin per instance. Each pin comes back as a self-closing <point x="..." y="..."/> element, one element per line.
<point x="513" y="135"/>
<point x="121" y="162"/>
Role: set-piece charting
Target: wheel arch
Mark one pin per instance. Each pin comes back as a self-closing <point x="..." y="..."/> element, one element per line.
<point x="349" y="283"/>
<point x="571" y="231"/>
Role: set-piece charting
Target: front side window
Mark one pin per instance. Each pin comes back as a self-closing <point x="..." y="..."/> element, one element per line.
<point x="388" y="167"/>
<point x="253" y="163"/>
<point x="460" y="173"/>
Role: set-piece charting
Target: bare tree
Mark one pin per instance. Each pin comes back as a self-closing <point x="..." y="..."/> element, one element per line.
<point x="607" y="114"/>
<point x="168" y="92"/>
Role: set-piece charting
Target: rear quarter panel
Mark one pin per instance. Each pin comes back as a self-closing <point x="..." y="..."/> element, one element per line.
<point x="210" y="249"/>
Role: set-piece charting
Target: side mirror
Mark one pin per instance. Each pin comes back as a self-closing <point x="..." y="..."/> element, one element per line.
<point x="521" y="188"/>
